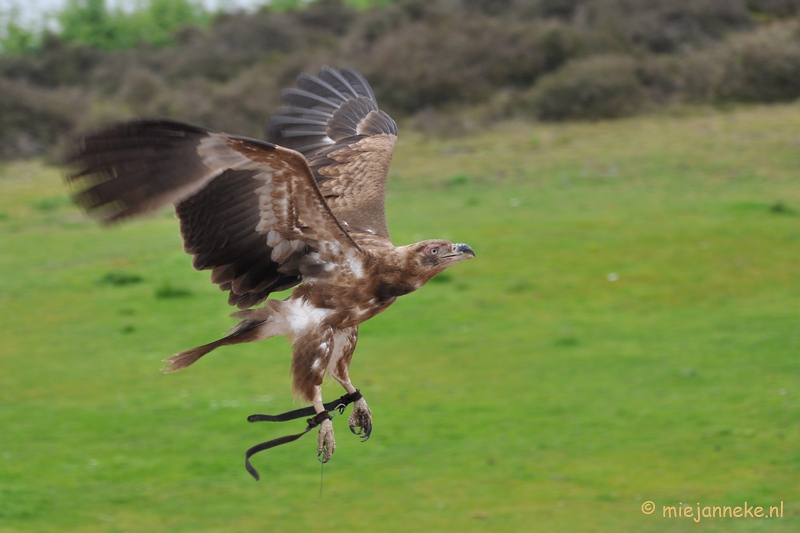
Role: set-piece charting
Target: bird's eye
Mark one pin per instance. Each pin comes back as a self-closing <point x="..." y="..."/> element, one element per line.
<point x="434" y="251"/>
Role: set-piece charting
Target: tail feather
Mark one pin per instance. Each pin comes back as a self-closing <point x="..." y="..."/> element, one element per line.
<point x="256" y="324"/>
<point x="181" y="360"/>
<point x="245" y="331"/>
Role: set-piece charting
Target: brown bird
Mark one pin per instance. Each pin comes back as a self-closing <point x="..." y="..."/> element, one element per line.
<point x="306" y="208"/>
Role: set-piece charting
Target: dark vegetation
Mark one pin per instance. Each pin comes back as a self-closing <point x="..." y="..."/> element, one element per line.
<point x="431" y="60"/>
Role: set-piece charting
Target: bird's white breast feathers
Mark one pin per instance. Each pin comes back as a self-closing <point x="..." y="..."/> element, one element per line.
<point x="301" y="315"/>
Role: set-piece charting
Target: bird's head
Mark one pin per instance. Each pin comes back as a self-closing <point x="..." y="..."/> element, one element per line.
<point x="432" y="257"/>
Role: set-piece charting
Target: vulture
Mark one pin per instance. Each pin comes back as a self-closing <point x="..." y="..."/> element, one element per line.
<point x="303" y="209"/>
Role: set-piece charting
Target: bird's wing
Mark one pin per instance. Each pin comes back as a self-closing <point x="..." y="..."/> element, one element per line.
<point x="251" y="212"/>
<point x="334" y="120"/>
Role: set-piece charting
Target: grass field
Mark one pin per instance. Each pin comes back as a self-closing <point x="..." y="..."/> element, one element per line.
<point x="629" y="332"/>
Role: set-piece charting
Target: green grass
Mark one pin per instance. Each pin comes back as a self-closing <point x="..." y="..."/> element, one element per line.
<point x="629" y="331"/>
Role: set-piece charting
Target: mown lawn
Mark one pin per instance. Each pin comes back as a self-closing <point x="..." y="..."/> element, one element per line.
<point x="629" y="332"/>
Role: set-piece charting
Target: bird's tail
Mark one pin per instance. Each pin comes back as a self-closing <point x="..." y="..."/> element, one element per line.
<point x="245" y="331"/>
<point x="179" y="361"/>
<point x="258" y="324"/>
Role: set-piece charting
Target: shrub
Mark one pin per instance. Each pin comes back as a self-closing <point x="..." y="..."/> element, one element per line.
<point x="598" y="87"/>
<point x="555" y="8"/>
<point x="763" y="66"/>
<point x="462" y="58"/>
<point x="233" y="43"/>
<point x="490" y="7"/>
<point x="327" y="16"/>
<point x="662" y="26"/>
<point x="661" y="76"/>
<point x="701" y="74"/>
<point x="139" y="89"/>
<point x="779" y="8"/>
<point x="33" y="120"/>
<point x="54" y="64"/>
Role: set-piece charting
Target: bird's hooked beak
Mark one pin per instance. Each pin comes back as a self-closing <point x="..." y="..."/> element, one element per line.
<point x="464" y="251"/>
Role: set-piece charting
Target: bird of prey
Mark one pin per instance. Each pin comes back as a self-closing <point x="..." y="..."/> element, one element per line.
<point x="305" y="209"/>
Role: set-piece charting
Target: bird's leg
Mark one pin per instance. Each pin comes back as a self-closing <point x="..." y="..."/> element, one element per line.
<point x="325" y="441"/>
<point x="361" y="418"/>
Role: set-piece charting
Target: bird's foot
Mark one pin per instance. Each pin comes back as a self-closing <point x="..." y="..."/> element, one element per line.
<point x="326" y="444"/>
<point x="361" y="420"/>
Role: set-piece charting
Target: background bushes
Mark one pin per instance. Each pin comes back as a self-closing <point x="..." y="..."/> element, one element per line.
<point x="431" y="59"/>
<point x="430" y="63"/>
<point x="604" y="86"/>
<point x="34" y="120"/>
<point x="763" y="66"/>
<point x="758" y="66"/>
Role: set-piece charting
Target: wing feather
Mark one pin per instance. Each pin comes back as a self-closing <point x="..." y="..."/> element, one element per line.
<point x="334" y="120"/>
<point x="250" y="211"/>
<point x="342" y="173"/>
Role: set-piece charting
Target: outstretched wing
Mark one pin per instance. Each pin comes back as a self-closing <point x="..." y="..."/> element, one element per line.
<point x="334" y="120"/>
<point x="251" y="212"/>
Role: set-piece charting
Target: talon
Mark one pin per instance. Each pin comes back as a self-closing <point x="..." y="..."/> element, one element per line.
<point x="361" y="420"/>
<point x="326" y="444"/>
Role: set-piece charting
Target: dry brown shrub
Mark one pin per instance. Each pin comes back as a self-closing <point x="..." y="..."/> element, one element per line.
<point x="34" y="120"/>
<point x="703" y="75"/>
<point x="597" y="87"/>
<point x="762" y="66"/>
<point x="778" y="8"/>
<point x="139" y="89"/>
<point x="326" y="16"/>
<point x="661" y="75"/>
<point x="661" y="26"/>
<point x="55" y="64"/>
<point x="765" y="65"/>
<point x="462" y="59"/>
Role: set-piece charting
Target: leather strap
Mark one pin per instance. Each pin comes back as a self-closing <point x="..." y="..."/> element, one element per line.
<point x="336" y="405"/>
